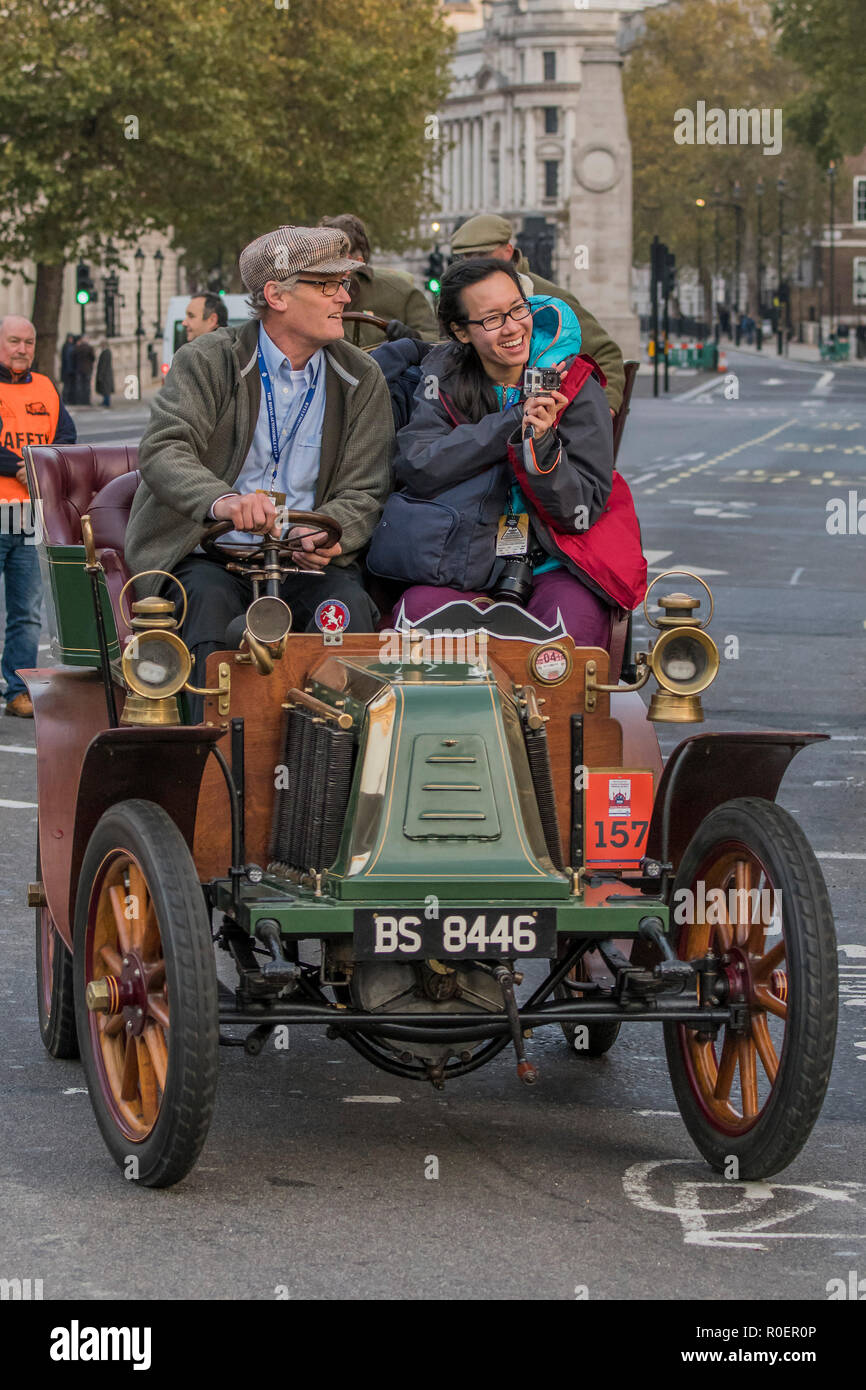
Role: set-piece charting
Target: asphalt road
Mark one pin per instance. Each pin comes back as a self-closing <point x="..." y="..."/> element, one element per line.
<point x="316" y="1177"/>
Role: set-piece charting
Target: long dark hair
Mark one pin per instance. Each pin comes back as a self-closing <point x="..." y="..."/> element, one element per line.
<point x="472" y="392"/>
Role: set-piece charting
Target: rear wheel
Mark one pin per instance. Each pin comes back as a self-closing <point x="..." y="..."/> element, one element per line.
<point x="54" y="992"/>
<point x="146" y="993"/>
<point x="752" y="1090"/>
<point x="595" y="1038"/>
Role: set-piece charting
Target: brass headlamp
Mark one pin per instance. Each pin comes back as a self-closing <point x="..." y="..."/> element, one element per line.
<point x="156" y="664"/>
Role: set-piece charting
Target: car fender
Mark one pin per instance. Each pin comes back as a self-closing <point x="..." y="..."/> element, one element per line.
<point x="707" y="769"/>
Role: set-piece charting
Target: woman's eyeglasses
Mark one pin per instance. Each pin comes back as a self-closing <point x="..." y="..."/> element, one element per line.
<point x="494" y="321"/>
<point x="328" y="287"/>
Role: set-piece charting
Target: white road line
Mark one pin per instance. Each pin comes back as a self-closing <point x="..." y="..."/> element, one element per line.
<point x="796" y="575"/>
<point x="644" y="478"/>
<point x="31" y="805"/>
<point x="16" y="748"/>
<point x="837" y="854"/>
<point x="823" y="382"/>
<point x="698" y="390"/>
<point x="371" y="1100"/>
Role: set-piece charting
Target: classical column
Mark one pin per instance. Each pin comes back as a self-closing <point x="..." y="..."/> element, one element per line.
<point x="532" y="195"/>
<point x="466" y="165"/>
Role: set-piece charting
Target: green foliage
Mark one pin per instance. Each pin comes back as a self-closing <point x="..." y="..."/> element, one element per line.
<point x="720" y="52"/>
<point x="247" y="115"/>
<point x="826" y="40"/>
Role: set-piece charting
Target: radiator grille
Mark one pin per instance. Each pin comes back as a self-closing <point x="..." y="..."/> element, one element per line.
<point x="309" y="812"/>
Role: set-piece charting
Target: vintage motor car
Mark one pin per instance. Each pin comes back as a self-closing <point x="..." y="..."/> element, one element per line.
<point x="373" y="832"/>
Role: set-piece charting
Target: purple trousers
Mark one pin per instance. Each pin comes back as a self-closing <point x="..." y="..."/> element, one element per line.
<point x="586" y="617"/>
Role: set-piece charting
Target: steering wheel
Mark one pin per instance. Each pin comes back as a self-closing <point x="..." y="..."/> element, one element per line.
<point x="355" y="316"/>
<point x="269" y="548"/>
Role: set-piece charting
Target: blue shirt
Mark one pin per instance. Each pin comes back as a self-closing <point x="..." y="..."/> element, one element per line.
<point x="298" y="470"/>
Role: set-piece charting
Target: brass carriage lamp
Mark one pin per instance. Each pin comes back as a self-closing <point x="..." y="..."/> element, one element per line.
<point x="156" y="664"/>
<point x="684" y="660"/>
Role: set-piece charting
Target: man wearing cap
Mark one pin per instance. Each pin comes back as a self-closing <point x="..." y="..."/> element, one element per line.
<point x="279" y="414"/>
<point x="489" y="235"/>
<point x="390" y="294"/>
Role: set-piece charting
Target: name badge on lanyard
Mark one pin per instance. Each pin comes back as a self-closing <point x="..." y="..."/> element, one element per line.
<point x="272" y="425"/>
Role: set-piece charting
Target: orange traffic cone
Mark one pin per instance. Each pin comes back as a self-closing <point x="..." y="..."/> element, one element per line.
<point x="723" y="362"/>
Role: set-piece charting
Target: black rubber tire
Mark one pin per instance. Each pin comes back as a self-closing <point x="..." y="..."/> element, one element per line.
<point x="170" y="1150"/>
<point x="600" y="1036"/>
<point x="794" y="1103"/>
<point x="57" y="1014"/>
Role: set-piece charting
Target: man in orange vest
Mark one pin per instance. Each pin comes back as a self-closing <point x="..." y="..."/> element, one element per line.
<point x="31" y="412"/>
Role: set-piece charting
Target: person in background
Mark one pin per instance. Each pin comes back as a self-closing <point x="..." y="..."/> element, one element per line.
<point x="489" y="235"/>
<point x="67" y="369"/>
<point x="84" y="360"/>
<point x="204" y="313"/>
<point x="389" y="294"/>
<point x="31" y="412"/>
<point x="105" y="375"/>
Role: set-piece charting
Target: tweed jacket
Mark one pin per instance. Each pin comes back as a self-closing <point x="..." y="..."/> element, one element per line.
<point x="201" y="428"/>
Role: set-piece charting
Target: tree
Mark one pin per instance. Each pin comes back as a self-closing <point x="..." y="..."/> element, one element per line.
<point x="826" y="42"/>
<point x="721" y="53"/>
<point x="220" y="121"/>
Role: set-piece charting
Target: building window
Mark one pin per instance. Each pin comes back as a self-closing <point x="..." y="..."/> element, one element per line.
<point x="521" y="61"/>
<point x="549" y="67"/>
<point x="859" y="291"/>
<point x="860" y="198"/>
<point x="551" y="178"/>
<point x="551" y="120"/>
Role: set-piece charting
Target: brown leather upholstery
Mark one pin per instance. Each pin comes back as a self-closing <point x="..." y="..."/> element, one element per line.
<point x="74" y="479"/>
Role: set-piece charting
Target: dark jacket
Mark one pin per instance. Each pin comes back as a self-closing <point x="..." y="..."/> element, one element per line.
<point x="84" y="358"/>
<point x="455" y="480"/>
<point x="400" y="363"/>
<point x="65" y="433"/>
<point x="389" y="295"/>
<point x="200" y="430"/>
<point x="104" y="373"/>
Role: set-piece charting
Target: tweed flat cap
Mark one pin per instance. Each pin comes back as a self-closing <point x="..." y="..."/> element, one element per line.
<point x="481" y="234"/>
<point x="290" y="250"/>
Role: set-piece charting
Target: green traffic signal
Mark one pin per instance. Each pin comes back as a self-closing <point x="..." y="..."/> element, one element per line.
<point x="83" y="297"/>
<point x="434" y="286"/>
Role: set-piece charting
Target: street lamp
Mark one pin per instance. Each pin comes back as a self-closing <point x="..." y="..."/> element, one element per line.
<point x="831" y="174"/>
<point x="780" y="189"/>
<point x="139" y="325"/>
<point x="717" y="203"/>
<point x="759" y="318"/>
<point x="738" y="213"/>
<point x="159" y="258"/>
<point x="699" y="204"/>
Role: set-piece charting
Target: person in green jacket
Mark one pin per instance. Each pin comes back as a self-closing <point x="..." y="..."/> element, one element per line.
<point x="490" y="235"/>
<point x="390" y="294"/>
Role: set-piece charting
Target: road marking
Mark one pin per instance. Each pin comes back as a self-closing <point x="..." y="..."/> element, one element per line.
<point x="796" y="575"/>
<point x="371" y="1100"/>
<point x="28" y="805"/>
<point x="836" y="854"/>
<point x="643" y="479"/>
<point x="737" y="449"/>
<point x="698" y="390"/>
<point x="652" y="557"/>
<point x="690" y="458"/>
<point x="772" y="381"/>
<point x="16" y="748"/>
<point x="666" y="1113"/>
<point x="823" y="382"/>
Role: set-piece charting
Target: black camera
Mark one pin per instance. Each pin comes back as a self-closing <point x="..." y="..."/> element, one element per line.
<point x="515" y="582"/>
<point x="539" y="380"/>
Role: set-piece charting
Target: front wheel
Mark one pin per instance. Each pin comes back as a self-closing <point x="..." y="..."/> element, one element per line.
<point x="750" y="892"/>
<point x="146" y="993"/>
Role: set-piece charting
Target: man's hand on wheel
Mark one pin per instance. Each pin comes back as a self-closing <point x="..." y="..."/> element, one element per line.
<point x="313" y="556"/>
<point x="250" y="511"/>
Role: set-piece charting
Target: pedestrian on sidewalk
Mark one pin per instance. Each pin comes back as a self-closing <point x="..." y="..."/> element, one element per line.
<point x="84" y="359"/>
<point x="67" y="369"/>
<point x="31" y="412"/>
<point x="105" y="375"/>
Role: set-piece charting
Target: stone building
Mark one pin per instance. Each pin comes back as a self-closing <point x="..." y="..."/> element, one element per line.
<point x="535" y="129"/>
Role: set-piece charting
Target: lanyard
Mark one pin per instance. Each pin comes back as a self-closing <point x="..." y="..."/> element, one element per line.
<point x="272" y="413"/>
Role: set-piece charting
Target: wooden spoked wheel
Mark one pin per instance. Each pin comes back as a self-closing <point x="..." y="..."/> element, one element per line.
<point x="146" y="993"/>
<point x="54" y="991"/>
<point x="750" y="895"/>
<point x="126" y="952"/>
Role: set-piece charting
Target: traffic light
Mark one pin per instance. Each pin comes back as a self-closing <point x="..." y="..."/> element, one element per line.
<point x="435" y="268"/>
<point x="669" y="274"/>
<point x="84" y="288"/>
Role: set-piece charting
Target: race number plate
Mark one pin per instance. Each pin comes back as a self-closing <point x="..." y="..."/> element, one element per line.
<point x="458" y="933"/>
<point x="618" y="811"/>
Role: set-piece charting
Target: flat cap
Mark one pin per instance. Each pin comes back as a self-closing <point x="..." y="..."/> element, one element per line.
<point x="481" y="234"/>
<point x="290" y="250"/>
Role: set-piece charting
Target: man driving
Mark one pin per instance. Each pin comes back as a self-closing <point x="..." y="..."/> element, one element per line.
<point x="280" y="414"/>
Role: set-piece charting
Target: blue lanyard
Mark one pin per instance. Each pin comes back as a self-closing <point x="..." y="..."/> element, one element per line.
<point x="272" y="413"/>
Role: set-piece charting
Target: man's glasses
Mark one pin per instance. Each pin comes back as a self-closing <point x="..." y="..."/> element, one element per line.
<point x="328" y="287"/>
<point x="494" y="321"/>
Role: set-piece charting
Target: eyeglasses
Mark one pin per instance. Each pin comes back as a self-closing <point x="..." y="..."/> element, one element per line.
<point x="328" y="287"/>
<point x="494" y="321"/>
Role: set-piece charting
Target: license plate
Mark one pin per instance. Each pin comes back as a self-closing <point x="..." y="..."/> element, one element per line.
<point x="457" y="933"/>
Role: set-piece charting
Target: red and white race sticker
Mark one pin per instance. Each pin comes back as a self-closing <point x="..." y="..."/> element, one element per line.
<point x="550" y="664"/>
<point x="617" y="813"/>
<point x="332" y="616"/>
